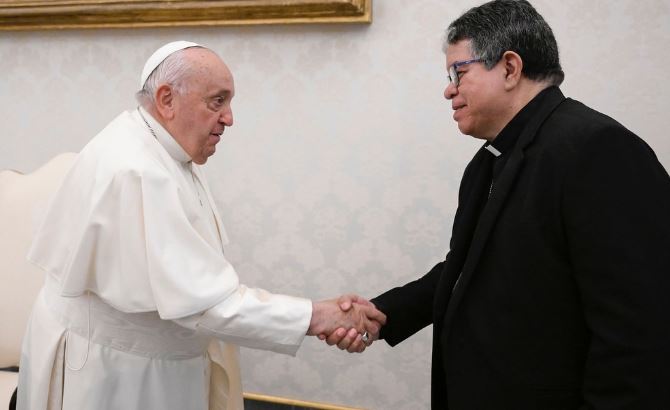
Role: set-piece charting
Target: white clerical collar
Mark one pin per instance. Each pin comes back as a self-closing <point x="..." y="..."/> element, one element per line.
<point x="493" y="150"/>
<point x="164" y="138"/>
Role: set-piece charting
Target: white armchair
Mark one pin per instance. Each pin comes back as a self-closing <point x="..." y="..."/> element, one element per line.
<point x="23" y="201"/>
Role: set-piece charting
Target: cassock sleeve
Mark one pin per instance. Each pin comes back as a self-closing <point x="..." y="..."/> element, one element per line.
<point x="256" y="319"/>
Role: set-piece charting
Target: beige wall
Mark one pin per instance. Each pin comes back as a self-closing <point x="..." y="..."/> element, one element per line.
<point x="342" y="169"/>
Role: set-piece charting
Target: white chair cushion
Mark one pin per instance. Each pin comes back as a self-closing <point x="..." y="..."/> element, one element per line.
<point x="23" y="201"/>
<point x="8" y="382"/>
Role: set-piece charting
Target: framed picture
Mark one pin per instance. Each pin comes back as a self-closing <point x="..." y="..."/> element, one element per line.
<point x="63" y="14"/>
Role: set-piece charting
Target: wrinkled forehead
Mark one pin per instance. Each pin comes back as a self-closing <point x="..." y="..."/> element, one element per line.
<point x="205" y="61"/>
<point x="209" y="71"/>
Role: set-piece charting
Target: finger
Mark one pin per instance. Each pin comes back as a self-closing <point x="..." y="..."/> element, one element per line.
<point x="373" y="314"/>
<point x="345" y="302"/>
<point x="362" y="345"/>
<point x="336" y="336"/>
<point x="348" y="339"/>
<point x="372" y="327"/>
<point x="362" y="323"/>
<point x="360" y="300"/>
<point x="357" y="346"/>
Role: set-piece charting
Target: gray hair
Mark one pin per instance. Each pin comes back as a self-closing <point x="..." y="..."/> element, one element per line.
<point x="509" y="25"/>
<point x="172" y="71"/>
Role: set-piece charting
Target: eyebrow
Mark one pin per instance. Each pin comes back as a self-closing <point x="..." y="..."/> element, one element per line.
<point x="220" y="93"/>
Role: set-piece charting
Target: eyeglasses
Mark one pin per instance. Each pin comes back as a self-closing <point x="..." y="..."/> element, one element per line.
<point x="454" y="75"/>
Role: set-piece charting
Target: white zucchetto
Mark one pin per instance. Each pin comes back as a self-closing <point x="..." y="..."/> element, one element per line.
<point x="160" y="55"/>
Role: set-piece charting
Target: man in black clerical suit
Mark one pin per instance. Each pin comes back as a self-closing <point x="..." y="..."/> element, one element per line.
<point x="555" y="293"/>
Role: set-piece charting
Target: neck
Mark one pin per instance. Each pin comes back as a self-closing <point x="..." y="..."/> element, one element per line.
<point x="528" y="89"/>
<point x="520" y="96"/>
<point x="151" y="109"/>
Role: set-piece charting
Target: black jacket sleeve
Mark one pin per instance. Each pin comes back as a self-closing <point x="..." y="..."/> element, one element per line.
<point x="617" y="222"/>
<point x="408" y="308"/>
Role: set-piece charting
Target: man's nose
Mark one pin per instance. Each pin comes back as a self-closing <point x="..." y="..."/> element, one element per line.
<point x="451" y="91"/>
<point x="227" y="117"/>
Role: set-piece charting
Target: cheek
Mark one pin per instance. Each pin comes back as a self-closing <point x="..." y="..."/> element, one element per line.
<point x="481" y="101"/>
<point x="204" y="141"/>
<point x="207" y="121"/>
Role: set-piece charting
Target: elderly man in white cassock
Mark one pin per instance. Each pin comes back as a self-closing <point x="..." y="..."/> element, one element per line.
<point x="140" y="308"/>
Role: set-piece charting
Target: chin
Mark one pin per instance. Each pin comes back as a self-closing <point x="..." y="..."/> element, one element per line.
<point x="470" y="131"/>
<point x="464" y="129"/>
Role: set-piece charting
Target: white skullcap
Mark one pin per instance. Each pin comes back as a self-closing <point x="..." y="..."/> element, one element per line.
<point x="160" y="55"/>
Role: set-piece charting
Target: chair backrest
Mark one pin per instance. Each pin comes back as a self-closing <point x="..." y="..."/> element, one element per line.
<point x="23" y="202"/>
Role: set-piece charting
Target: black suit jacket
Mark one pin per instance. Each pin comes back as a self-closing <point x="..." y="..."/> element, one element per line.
<point x="560" y="297"/>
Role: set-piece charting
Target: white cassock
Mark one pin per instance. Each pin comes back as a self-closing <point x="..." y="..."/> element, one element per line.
<point x="139" y="298"/>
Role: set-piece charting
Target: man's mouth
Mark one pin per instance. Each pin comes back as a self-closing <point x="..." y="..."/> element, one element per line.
<point x="457" y="109"/>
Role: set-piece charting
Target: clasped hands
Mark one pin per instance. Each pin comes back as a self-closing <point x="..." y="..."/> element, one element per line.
<point x="344" y="320"/>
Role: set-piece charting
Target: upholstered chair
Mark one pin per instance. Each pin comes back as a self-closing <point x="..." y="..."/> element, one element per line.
<point x="23" y="202"/>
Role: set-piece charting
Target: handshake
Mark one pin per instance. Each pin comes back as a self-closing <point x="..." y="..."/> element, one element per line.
<point x="350" y="321"/>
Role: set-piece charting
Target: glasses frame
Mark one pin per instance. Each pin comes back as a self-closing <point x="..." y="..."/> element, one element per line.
<point x="453" y="72"/>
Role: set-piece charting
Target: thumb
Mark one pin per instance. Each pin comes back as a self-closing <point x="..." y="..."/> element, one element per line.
<point x="346" y="301"/>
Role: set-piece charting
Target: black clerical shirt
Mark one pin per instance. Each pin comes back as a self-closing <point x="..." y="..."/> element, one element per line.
<point x="501" y="147"/>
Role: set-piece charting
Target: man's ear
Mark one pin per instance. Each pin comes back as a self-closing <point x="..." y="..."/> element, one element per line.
<point x="513" y="65"/>
<point x="165" y="101"/>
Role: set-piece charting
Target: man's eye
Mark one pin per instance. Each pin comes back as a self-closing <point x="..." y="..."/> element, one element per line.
<point x="217" y="103"/>
<point x="460" y="73"/>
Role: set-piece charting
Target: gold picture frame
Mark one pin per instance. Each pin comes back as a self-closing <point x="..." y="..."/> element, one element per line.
<point x="68" y="14"/>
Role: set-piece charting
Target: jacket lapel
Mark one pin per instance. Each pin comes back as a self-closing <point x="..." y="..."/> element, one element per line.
<point x="472" y="193"/>
<point x="499" y="194"/>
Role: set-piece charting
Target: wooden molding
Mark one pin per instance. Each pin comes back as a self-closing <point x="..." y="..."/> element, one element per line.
<point x="67" y="14"/>
<point x="292" y="403"/>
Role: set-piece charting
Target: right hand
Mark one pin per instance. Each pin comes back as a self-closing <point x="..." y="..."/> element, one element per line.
<point x="351" y="340"/>
<point x="328" y="316"/>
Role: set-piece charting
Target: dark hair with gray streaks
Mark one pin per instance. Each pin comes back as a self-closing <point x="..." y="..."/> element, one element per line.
<point x="510" y="25"/>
